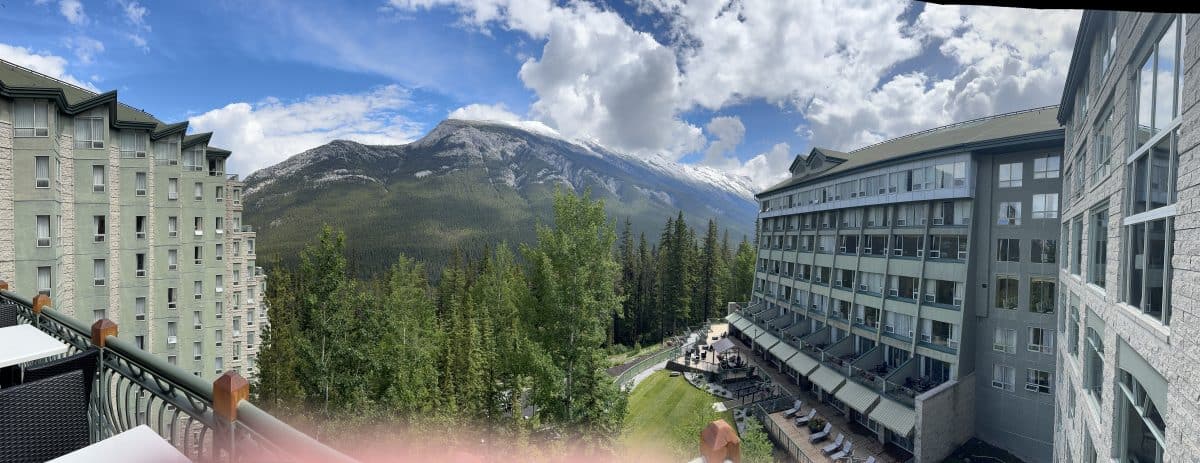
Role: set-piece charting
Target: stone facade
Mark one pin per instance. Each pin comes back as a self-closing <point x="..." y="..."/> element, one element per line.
<point x="1103" y="314"/>
<point x="945" y="419"/>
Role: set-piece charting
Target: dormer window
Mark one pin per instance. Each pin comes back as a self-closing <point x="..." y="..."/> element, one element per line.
<point x="32" y="119"/>
<point x="89" y="132"/>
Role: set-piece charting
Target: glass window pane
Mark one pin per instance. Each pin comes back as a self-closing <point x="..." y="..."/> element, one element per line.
<point x="1160" y="171"/>
<point x="1137" y="185"/>
<point x="1137" y="263"/>
<point x="1155" y="268"/>
<point x="1164" y="88"/>
<point x="1144" y="128"/>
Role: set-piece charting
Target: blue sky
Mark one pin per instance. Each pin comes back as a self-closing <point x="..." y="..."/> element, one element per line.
<point x="742" y="86"/>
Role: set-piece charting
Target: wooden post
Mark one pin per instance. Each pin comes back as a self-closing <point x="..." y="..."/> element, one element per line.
<point x="228" y="390"/>
<point x="102" y="329"/>
<point x="39" y="302"/>
<point x="3" y="285"/>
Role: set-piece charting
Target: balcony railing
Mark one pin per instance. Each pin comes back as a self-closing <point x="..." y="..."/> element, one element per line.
<point x="206" y="421"/>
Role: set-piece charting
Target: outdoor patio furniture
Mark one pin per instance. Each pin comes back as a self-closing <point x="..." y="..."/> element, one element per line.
<point x="85" y="361"/>
<point x="820" y="436"/>
<point x="794" y="410"/>
<point x="833" y="446"/>
<point x="803" y="420"/>
<point x="44" y="419"/>
<point x="847" y="450"/>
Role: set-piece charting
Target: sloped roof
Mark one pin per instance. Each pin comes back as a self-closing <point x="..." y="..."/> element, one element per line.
<point x="17" y="80"/>
<point x="962" y="134"/>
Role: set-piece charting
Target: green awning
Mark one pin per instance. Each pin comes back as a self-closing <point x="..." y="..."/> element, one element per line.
<point x="753" y="331"/>
<point x="783" y="351"/>
<point x="892" y="415"/>
<point x="742" y="324"/>
<point x="802" y="363"/>
<point x="733" y="317"/>
<point x="766" y="340"/>
<point x="857" y="396"/>
<point x="827" y="379"/>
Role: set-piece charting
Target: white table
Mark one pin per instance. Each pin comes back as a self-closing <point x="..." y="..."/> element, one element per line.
<point x="23" y="343"/>
<point x="137" y="445"/>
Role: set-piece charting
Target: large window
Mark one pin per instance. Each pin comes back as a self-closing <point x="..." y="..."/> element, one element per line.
<point x="1094" y="368"/>
<point x="133" y="144"/>
<point x="32" y="119"/>
<point x="1098" y="237"/>
<point x="1003" y="377"/>
<point x="89" y="132"/>
<point x="139" y="184"/>
<point x="1043" y="251"/>
<point x="1040" y="340"/>
<point x="1009" y="214"/>
<point x="1066" y="249"/>
<point x="1102" y="144"/>
<point x="1005" y="340"/>
<point x="1153" y="169"/>
<point x="1076" y="245"/>
<point x="1041" y="295"/>
<point x="98" y="178"/>
<point x="45" y="284"/>
<point x="1141" y="430"/>
<point x="1008" y="250"/>
<point x="1046" y="167"/>
<point x="43" y="231"/>
<point x="1037" y="380"/>
<point x="1010" y="175"/>
<point x="1006" y="292"/>
<point x="41" y="171"/>
<point x="99" y="272"/>
<point x="1045" y="206"/>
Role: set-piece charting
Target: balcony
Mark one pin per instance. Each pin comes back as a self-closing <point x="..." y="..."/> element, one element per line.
<point x="207" y="421"/>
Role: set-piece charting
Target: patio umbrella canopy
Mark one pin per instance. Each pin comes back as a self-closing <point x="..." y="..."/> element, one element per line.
<point x="719" y="442"/>
<point x="723" y="345"/>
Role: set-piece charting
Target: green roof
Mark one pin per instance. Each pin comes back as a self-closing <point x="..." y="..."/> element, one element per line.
<point x="959" y="135"/>
<point x="19" y="81"/>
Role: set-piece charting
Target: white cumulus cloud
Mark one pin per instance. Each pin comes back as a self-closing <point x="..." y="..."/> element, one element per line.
<point x="85" y="48"/>
<point x="484" y="112"/>
<point x="727" y="133"/>
<point x="73" y="11"/>
<point x="264" y="133"/>
<point x="45" y="63"/>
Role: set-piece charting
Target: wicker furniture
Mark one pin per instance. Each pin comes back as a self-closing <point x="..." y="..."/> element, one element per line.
<point x="43" y="419"/>
<point x="85" y="361"/>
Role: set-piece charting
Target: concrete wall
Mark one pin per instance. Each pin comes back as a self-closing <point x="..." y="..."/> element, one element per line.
<point x="945" y="419"/>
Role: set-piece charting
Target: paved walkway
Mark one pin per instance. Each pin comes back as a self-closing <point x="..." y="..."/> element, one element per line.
<point x="865" y="445"/>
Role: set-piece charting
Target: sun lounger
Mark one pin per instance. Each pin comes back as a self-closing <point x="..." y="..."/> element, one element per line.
<point x="847" y="450"/>
<point x="833" y="447"/>
<point x="794" y="410"/>
<point x="820" y="436"/>
<point x="803" y="420"/>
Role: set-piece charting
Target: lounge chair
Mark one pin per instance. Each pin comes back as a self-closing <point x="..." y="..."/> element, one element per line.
<point x="847" y="450"/>
<point x="44" y="419"/>
<point x="803" y="420"/>
<point x="820" y="436"/>
<point x="833" y="447"/>
<point x="794" y="410"/>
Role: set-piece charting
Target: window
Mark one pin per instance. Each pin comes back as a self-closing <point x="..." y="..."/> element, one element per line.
<point x="44" y="283"/>
<point x="219" y="309"/>
<point x="1094" y="368"/>
<point x="1006" y="292"/>
<point x="140" y="340"/>
<point x="1008" y="250"/>
<point x="1041" y="340"/>
<point x="193" y="158"/>
<point x="140" y="270"/>
<point x="1037" y="381"/>
<point x="1078" y="173"/>
<point x="1003" y="377"/>
<point x="1066" y="249"/>
<point x="43" y="231"/>
<point x="172" y="226"/>
<point x="1045" y="206"/>
<point x="97" y="314"/>
<point x="198" y="254"/>
<point x="139" y="184"/>
<point x="1098" y="237"/>
<point x="172" y="189"/>
<point x="219" y="253"/>
<point x="41" y="171"/>
<point x="99" y="271"/>
<point x="220" y="283"/>
<point x="172" y="259"/>
<point x="197" y="319"/>
<point x="220" y="196"/>
<point x="1046" y="167"/>
<point x="237" y="195"/>
<point x="133" y="144"/>
<point x="219" y="224"/>
<point x="1143" y="433"/>
<point x="1010" y="175"/>
<point x="98" y="178"/>
<point x="198" y="191"/>
<point x="1010" y="213"/>
<point x="139" y="227"/>
<point x="218" y="337"/>
<point x="89" y="132"/>
<point x="139" y="308"/>
<point x="172" y="298"/>
<point x="1005" y="340"/>
<point x="1043" y="251"/>
<point x="197" y="350"/>
<point x="172" y="333"/>
<point x="32" y="119"/>
<point x="1076" y="244"/>
<point x="198" y="289"/>
<point x="1041" y="295"/>
<point x="198" y="226"/>
<point x="249" y="338"/>
<point x="237" y="276"/>
<point x="100" y="226"/>
<point x="1102" y="144"/>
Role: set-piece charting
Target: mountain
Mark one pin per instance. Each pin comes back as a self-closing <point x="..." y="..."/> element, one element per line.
<point x="468" y="183"/>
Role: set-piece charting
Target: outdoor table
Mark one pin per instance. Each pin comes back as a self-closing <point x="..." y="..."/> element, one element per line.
<point x="137" y="445"/>
<point x="23" y="343"/>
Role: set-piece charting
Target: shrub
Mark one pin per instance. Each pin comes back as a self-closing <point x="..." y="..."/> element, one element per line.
<point x="816" y="424"/>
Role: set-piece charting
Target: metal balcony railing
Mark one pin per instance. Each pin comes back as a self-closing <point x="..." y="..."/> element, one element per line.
<point x="206" y="421"/>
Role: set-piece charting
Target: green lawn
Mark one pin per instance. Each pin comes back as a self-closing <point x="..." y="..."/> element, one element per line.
<point x="668" y="411"/>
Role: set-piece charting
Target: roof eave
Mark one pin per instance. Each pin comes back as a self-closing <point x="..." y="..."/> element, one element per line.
<point x="1079" y="60"/>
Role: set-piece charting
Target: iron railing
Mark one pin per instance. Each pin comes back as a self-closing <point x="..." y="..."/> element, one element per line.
<point x="205" y="421"/>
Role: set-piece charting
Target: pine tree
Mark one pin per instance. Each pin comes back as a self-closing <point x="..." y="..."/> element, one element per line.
<point x="405" y="348"/>
<point x="709" y="274"/>
<point x="742" y="272"/>
<point x="277" y="386"/>
<point x="623" y="321"/>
